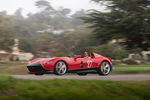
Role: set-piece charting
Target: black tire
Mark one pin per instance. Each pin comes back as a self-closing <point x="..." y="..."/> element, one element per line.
<point x="55" y="68"/>
<point x="82" y="74"/>
<point x="39" y="74"/>
<point x="101" y="70"/>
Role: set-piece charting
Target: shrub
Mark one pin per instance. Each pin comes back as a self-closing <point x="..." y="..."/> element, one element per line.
<point x="130" y="61"/>
<point x="112" y="51"/>
<point x="116" y="62"/>
<point x="119" y="53"/>
<point x="11" y="58"/>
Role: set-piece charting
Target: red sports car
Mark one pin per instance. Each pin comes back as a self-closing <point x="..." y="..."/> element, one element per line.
<point x="94" y="63"/>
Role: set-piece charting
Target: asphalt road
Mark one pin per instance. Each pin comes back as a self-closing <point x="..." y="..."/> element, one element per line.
<point x="138" y="77"/>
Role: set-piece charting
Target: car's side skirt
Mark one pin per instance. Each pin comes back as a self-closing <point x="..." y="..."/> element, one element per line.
<point x="88" y="70"/>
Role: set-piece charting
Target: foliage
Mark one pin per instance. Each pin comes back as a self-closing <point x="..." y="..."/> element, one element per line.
<point x="112" y="51"/>
<point x="135" y="50"/>
<point x="76" y="17"/>
<point x="36" y="31"/>
<point x="47" y="19"/>
<point x="120" y="53"/>
<point x="65" y="44"/>
<point x="11" y="58"/>
<point x="36" y="44"/>
<point x="25" y="45"/>
<point x="23" y="27"/>
<point x="128" y="19"/>
<point x="6" y="32"/>
<point x="130" y="61"/>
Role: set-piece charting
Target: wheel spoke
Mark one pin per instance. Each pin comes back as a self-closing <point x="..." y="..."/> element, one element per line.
<point x="105" y="71"/>
<point x="106" y="68"/>
<point x="61" y="67"/>
<point x="107" y="65"/>
<point x="60" y="64"/>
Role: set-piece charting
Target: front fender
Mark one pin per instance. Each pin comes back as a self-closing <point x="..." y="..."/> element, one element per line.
<point x="51" y="65"/>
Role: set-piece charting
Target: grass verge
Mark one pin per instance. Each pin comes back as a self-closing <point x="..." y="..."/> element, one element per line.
<point x="13" y="68"/>
<point x="19" y="89"/>
<point x="132" y="69"/>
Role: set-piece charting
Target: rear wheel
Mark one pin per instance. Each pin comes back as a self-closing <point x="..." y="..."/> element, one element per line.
<point x="104" y="68"/>
<point x="82" y="74"/>
<point x="60" y="68"/>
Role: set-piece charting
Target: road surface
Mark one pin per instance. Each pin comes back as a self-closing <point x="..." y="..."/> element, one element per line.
<point x="135" y="77"/>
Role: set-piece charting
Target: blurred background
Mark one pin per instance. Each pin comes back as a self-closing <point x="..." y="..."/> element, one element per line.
<point x="117" y="29"/>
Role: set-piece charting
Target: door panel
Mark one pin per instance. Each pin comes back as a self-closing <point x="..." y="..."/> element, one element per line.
<point x="75" y="63"/>
<point x="86" y="62"/>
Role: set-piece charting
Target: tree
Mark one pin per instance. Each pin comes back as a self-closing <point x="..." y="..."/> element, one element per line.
<point x="44" y="5"/>
<point x="18" y="14"/>
<point x="35" y="31"/>
<point x="61" y="19"/>
<point x="23" y="27"/>
<point x="38" y="43"/>
<point x="128" y="19"/>
<point x="6" y="32"/>
<point x="48" y="18"/>
<point x="76" y="17"/>
<point x="64" y="11"/>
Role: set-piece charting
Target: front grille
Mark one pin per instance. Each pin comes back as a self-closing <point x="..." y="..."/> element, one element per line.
<point x="35" y="67"/>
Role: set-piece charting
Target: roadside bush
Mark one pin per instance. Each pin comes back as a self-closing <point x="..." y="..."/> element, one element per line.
<point x="17" y="59"/>
<point x="11" y="58"/>
<point x="25" y="45"/>
<point x="119" y="53"/>
<point x="130" y="62"/>
<point x="117" y="62"/>
<point x="112" y="51"/>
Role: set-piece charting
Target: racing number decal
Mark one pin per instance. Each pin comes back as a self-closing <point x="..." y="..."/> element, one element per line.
<point x="89" y="63"/>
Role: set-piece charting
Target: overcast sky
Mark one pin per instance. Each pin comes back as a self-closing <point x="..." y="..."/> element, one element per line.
<point x="28" y="5"/>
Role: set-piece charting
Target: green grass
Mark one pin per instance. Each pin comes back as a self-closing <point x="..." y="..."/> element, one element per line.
<point x="20" y="68"/>
<point x="132" y="69"/>
<point x="19" y="89"/>
<point x="13" y="68"/>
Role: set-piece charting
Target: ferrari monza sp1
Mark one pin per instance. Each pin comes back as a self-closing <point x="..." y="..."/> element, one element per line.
<point x="95" y="63"/>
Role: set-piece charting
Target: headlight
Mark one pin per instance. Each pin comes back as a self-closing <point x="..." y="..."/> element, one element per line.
<point x="49" y="62"/>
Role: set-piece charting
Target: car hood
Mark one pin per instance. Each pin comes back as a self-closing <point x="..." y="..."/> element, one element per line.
<point x="46" y="59"/>
<point x="41" y="59"/>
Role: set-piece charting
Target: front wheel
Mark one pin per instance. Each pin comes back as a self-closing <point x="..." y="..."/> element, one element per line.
<point x="104" y="68"/>
<point x="60" y="68"/>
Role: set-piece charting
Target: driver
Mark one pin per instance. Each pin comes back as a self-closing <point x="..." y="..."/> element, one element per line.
<point x="86" y="55"/>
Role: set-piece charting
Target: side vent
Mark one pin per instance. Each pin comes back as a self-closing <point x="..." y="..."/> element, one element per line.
<point x="81" y="64"/>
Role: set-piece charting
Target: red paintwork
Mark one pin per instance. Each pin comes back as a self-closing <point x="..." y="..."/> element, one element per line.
<point x="74" y="63"/>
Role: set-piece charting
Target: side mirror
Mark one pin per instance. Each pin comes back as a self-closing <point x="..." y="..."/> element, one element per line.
<point x="78" y="56"/>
